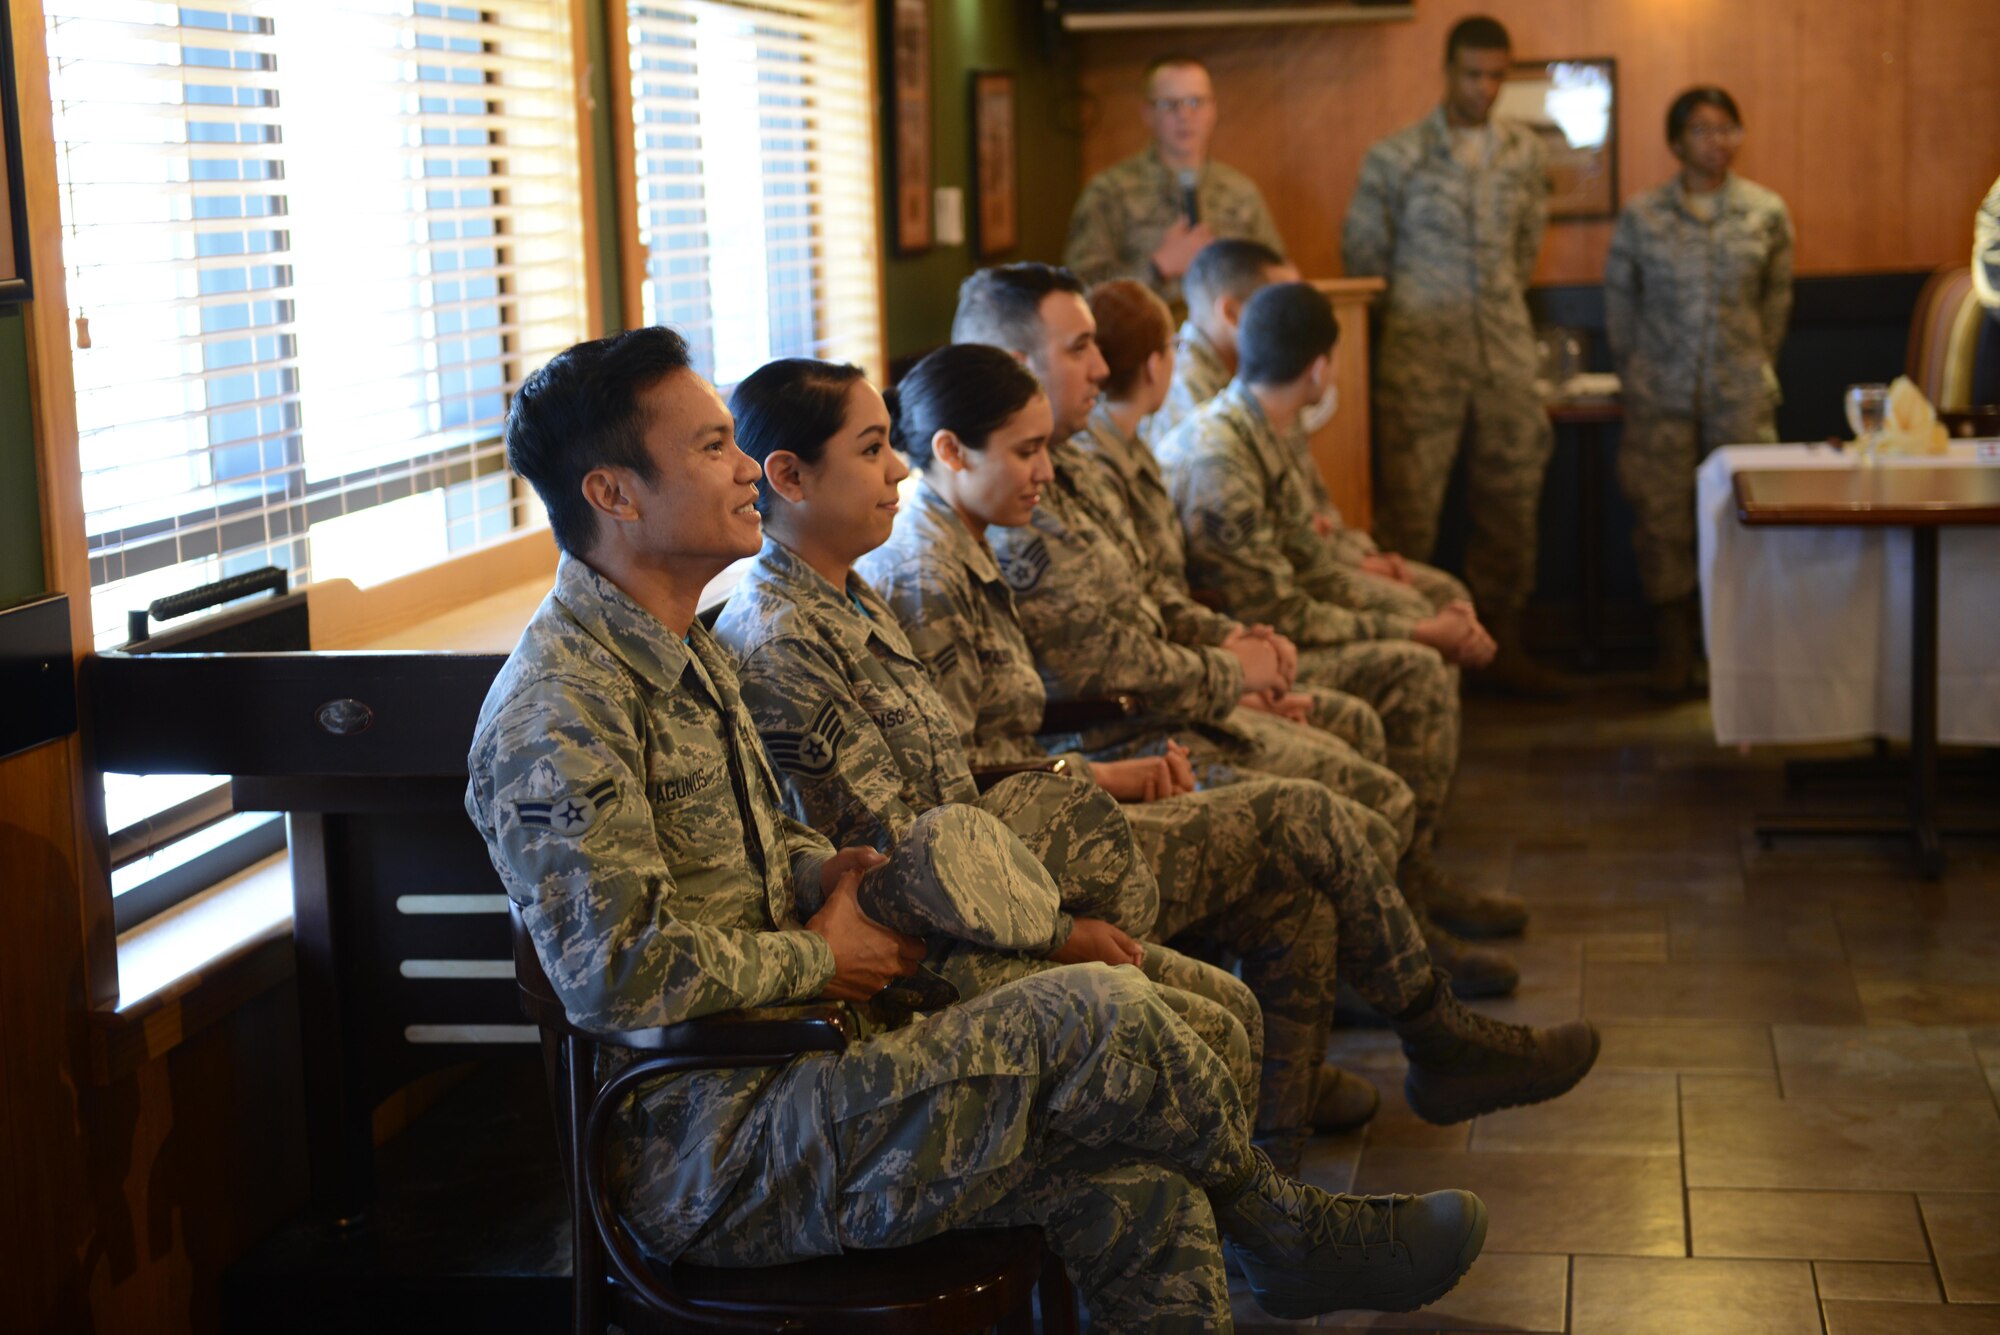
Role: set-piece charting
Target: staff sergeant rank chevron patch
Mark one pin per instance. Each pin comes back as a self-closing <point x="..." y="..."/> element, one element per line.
<point x="1225" y="531"/>
<point x="571" y="815"/>
<point x="813" y="751"/>
<point x="1023" y="570"/>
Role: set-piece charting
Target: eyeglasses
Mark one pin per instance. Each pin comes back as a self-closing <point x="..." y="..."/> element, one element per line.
<point x="1714" y="132"/>
<point x="1167" y="106"/>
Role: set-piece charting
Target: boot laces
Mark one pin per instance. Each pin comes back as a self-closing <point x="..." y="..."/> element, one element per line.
<point x="1336" y="1219"/>
<point x="1486" y="1030"/>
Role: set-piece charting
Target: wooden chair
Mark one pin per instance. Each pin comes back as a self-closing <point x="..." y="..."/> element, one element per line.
<point x="967" y="1280"/>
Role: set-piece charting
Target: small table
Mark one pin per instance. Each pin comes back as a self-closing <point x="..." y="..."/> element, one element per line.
<point x="1590" y="416"/>
<point x="1923" y="500"/>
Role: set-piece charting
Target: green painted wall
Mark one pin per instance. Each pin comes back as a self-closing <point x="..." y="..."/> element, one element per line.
<point x="20" y="499"/>
<point x="988" y="35"/>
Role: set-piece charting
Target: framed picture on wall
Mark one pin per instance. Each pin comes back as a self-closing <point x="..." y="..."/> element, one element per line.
<point x="14" y="280"/>
<point x="1573" y="105"/>
<point x="996" y="218"/>
<point x="908" y="79"/>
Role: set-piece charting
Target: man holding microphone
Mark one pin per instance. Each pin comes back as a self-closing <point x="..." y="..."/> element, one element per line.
<point x="1150" y="215"/>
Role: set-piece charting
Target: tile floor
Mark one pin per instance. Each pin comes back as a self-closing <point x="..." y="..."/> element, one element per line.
<point x="1792" y="1126"/>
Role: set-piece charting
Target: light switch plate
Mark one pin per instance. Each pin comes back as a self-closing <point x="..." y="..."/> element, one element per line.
<point x="948" y="210"/>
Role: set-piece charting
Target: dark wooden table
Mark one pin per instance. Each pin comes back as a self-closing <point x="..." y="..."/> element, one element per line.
<point x="1923" y="500"/>
<point x="1588" y="418"/>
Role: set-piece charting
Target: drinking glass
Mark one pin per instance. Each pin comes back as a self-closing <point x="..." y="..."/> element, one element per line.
<point x="1867" y="410"/>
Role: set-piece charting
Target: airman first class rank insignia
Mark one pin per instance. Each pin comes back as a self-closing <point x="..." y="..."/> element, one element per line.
<point x="813" y="751"/>
<point x="572" y="815"/>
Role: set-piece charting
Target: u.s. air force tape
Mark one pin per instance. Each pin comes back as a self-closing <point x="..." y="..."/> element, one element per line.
<point x="813" y="751"/>
<point x="571" y="815"/>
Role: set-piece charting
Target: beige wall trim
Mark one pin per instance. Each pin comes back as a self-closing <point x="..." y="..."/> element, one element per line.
<point x="624" y="160"/>
<point x="594" y="295"/>
<point x="52" y="403"/>
<point x="345" y="616"/>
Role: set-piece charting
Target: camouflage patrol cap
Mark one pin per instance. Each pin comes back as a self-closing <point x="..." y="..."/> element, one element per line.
<point x="1072" y="825"/>
<point x="961" y="874"/>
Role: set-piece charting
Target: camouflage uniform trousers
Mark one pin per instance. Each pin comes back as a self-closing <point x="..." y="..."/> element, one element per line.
<point x="1416" y="694"/>
<point x="1438" y="587"/>
<point x="1217" y="1006"/>
<point x="1080" y="849"/>
<point x="1349" y="719"/>
<point x="1657" y="458"/>
<point x="1248" y="868"/>
<point x="1263" y="744"/>
<point x="1074" y="1100"/>
<point x="1420" y="421"/>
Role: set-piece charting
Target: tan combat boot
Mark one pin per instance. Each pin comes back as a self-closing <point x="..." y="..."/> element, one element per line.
<point x="1463" y="1064"/>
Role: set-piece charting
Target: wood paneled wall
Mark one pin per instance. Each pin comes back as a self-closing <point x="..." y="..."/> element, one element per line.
<point x="1877" y="120"/>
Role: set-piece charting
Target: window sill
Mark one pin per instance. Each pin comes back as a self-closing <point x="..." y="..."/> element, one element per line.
<point x="190" y="966"/>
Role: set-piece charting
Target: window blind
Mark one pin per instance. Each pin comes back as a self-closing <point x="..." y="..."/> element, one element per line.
<point x="312" y="246"/>
<point x="753" y="173"/>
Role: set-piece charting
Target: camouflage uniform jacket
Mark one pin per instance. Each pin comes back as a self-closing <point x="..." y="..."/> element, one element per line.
<point x="1121" y="483"/>
<point x="1125" y="210"/>
<point x="1094" y="627"/>
<point x="1200" y="375"/>
<point x="625" y="800"/>
<point x="958" y="613"/>
<point x="1696" y="310"/>
<point x="861" y="739"/>
<point x="1458" y="248"/>
<point x="1248" y="519"/>
<point x="834" y="665"/>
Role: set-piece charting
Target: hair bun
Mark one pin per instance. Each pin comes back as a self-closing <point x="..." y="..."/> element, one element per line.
<point x="892" y="398"/>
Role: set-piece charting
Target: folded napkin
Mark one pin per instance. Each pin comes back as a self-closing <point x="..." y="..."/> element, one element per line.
<point x="1909" y="423"/>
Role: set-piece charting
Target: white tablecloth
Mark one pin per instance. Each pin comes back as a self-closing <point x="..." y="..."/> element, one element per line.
<point x="1809" y="628"/>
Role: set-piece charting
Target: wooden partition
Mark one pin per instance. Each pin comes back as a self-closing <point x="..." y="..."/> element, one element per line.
<point x="1340" y="448"/>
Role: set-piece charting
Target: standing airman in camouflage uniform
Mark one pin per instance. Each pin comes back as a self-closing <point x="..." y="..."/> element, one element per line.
<point x="1697" y="291"/>
<point x="1222" y="278"/>
<point x="1132" y="219"/>
<point x="1451" y="211"/>
<point x="958" y="611"/>
<point x="1253" y="551"/>
<point x="625" y="802"/>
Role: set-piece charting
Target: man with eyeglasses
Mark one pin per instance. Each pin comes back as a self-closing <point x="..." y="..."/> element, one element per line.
<point x="1451" y="211"/>
<point x="1150" y="215"/>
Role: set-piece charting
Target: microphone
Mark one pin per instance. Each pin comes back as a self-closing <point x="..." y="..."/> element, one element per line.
<point x="1190" y="203"/>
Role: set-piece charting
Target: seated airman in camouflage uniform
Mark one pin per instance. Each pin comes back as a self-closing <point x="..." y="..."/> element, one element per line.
<point x="624" y="798"/>
<point x="1086" y="606"/>
<point x="1094" y="630"/>
<point x="1252" y="549"/>
<point x="826" y="661"/>
<point x="1224" y="276"/>
<point x="977" y="424"/>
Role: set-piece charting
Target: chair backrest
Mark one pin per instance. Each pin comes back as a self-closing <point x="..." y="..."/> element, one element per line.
<point x="1944" y="333"/>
